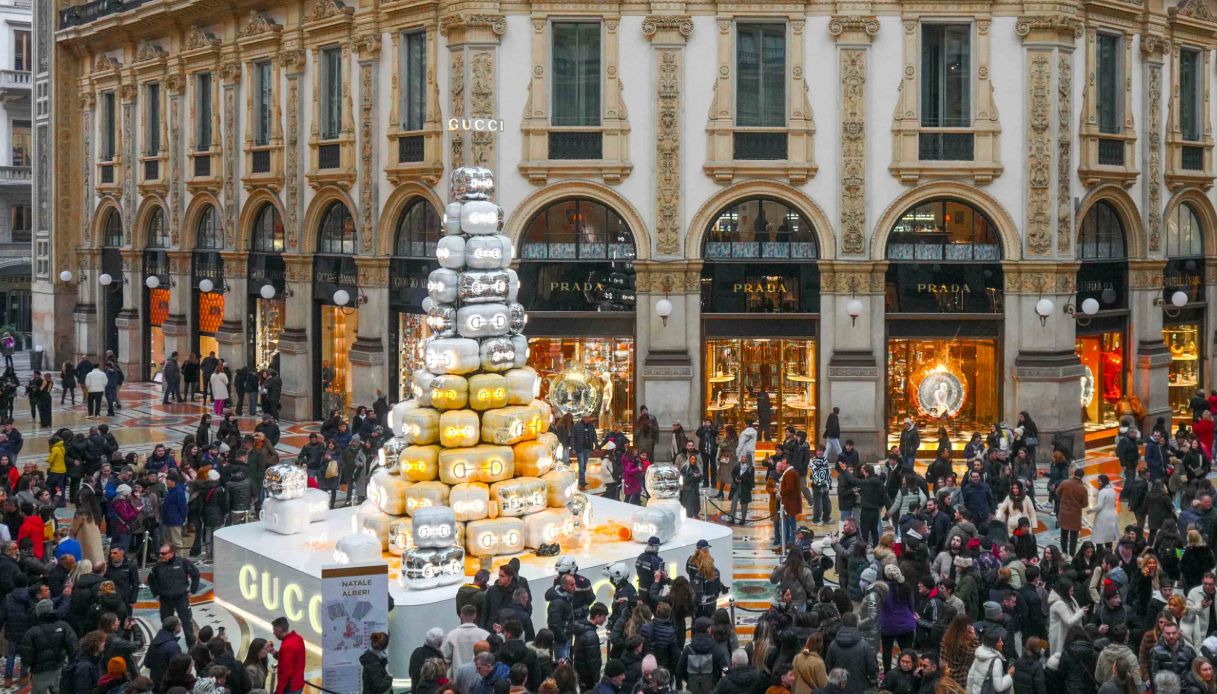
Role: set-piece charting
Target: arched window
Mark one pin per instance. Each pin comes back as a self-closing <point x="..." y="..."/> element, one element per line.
<point x="158" y="235"/>
<point x="1102" y="234"/>
<point x="944" y="230"/>
<point x="112" y="233"/>
<point x="578" y="229"/>
<point x="268" y="230"/>
<point x="418" y="230"/>
<point x="337" y="231"/>
<point x="760" y="228"/>
<point x="208" y="235"/>
<point x="1184" y="233"/>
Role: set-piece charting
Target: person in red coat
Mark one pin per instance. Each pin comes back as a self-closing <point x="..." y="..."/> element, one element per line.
<point x="291" y="658"/>
<point x="33" y="528"/>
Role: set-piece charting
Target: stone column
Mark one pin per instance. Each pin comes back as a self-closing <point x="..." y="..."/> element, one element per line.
<point x="88" y="332"/>
<point x="1046" y="370"/>
<point x="666" y="354"/>
<point x="181" y="297"/>
<point x="131" y="335"/>
<point x="368" y="352"/>
<point x="473" y="42"/>
<point x="231" y="335"/>
<point x="1152" y="358"/>
<point x="851" y="351"/>
<point x="295" y="348"/>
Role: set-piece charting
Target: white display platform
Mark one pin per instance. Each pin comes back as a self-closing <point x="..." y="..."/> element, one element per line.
<point x="268" y="575"/>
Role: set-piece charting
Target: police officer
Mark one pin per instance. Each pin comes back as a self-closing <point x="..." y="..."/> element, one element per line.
<point x="583" y="596"/>
<point x="624" y="594"/>
<point x="646" y="565"/>
<point x="703" y="547"/>
<point x="172" y="581"/>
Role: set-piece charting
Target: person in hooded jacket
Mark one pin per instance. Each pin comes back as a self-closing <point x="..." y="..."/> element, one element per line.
<point x="162" y="649"/>
<point x="850" y="652"/>
<point x="560" y="613"/>
<point x="375" y="666"/>
<point x="499" y="595"/>
<point x="16" y="618"/>
<point x="743" y="678"/>
<point x="86" y="666"/>
<point x="239" y="491"/>
<point x="214" y="508"/>
<point x="1077" y="663"/>
<point x="659" y="637"/>
<point x="1029" y="668"/>
<point x="46" y="647"/>
<point x="701" y="644"/>
<point x="988" y="664"/>
<point x="586" y="649"/>
<point x="1117" y="649"/>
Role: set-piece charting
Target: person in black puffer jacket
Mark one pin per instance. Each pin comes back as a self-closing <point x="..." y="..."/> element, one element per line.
<point x="659" y="637"/>
<point x="240" y="490"/>
<point x="1029" y="669"/>
<point x="852" y="653"/>
<point x="16" y="618"/>
<point x="701" y="644"/>
<point x="1078" y="658"/>
<point x="499" y="596"/>
<point x="47" y="646"/>
<point x="560" y="615"/>
<point x="742" y="678"/>
<point x="586" y="651"/>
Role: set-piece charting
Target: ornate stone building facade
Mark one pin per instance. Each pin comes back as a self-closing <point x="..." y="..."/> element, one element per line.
<point x="951" y="212"/>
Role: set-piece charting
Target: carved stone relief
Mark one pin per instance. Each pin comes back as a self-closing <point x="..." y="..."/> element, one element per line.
<point x="481" y="104"/>
<point x="1153" y="158"/>
<point x="1039" y="154"/>
<point x="1064" y="152"/>
<point x="457" y="78"/>
<point x="230" y="166"/>
<point x="175" y="166"/>
<point x="853" y="150"/>
<point x="291" y="227"/>
<point x="667" y="142"/>
<point x="128" y="141"/>
<point x="367" y="183"/>
<point x="86" y="171"/>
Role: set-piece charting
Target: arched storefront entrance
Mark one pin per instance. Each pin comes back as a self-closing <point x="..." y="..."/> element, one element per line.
<point x="760" y="305"/>
<point x="155" y="299"/>
<point x="112" y="265"/>
<point x="1102" y="337"/>
<point x="418" y="231"/>
<point x="943" y="303"/>
<point x="335" y="325"/>
<point x="1184" y="331"/>
<point x="577" y="280"/>
<point x="267" y="277"/>
<point x="206" y="263"/>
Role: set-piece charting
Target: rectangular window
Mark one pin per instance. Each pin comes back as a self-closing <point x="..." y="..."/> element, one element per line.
<point x="108" y="126"/>
<point x="576" y="74"/>
<point x="21" y="51"/>
<point x="152" y="94"/>
<point x="1109" y="63"/>
<point x="263" y="86"/>
<point x="946" y="75"/>
<point x="414" y="73"/>
<point x="760" y="69"/>
<point x="22" y="143"/>
<point x="21" y="223"/>
<point x="203" y="112"/>
<point x="331" y="85"/>
<point x="1190" y="71"/>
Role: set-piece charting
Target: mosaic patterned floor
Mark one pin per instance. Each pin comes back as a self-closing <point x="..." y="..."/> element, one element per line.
<point x="144" y="421"/>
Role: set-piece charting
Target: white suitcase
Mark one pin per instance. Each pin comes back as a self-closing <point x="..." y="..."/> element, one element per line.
<point x="547" y="526"/>
<point x="286" y="516"/>
<point x="490" y="537"/>
<point x="517" y="497"/>
<point x="357" y="549"/>
<point x="318" y="504"/>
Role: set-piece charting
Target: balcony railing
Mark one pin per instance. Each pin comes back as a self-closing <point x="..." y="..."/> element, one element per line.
<point x="566" y="144"/>
<point x="260" y="161"/>
<point x="15" y="174"/>
<point x="759" y="146"/>
<point x="1111" y="152"/>
<point x="1192" y="158"/>
<point x="14" y="78"/>
<point x="934" y="146"/>
<point x="90" y="11"/>
<point x="329" y="156"/>
<point x="410" y="149"/>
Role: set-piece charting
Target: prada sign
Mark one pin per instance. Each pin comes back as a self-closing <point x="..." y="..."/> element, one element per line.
<point x="732" y="287"/>
<point x="577" y="286"/>
<point x="941" y="287"/>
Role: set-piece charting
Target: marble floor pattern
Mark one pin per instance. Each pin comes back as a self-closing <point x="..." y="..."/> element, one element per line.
<point x="144" y="421"/>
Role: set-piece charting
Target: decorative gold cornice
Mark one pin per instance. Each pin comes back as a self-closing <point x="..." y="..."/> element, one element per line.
<point x="654" y="23"/>
<point x="1049" y="23"/>
<point x="368" y="46"/>
<point x="1153" y="43"/>
<point x="838" y="26"/>
<point x="677" y="278"/>
<point x="497" y="23"/>
<point x="292" y="61"/>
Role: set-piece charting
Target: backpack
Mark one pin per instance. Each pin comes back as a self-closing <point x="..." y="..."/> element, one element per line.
<point x="67" y="677"/>
<point x="701" y="673"/>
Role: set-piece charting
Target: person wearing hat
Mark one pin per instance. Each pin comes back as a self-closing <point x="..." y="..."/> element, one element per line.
<point x="647" y="563"/>
<point x="874" y="592"/>
<point x="910" y="441"/>
<point x="125" y="513"/>
<point x="897" y="615"/>
<point x="268" y="428"/>
<point x="115" y="677"/>
<point x="1073" y="495"/>
<point x="613" y="679"/>
<point x="702" y="662"/>
<point x="46" y="647"/>
<point x="212" y="499"/>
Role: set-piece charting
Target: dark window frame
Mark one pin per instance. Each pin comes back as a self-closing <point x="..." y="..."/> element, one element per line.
<point x="336" y="231"/>
<point x="418" y="230"/>
<point x="267" y="236"/>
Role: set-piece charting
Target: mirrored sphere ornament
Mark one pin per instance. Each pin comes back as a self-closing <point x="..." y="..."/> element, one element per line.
<point x="575" y="391"/>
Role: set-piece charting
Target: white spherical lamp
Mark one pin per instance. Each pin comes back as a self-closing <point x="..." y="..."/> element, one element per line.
<point x="1043" y="308"/>
<point x="853" y="308"/>
<point x="1179" y="299"/>
<point x="65" y="276"/>
<point x="206" y="285"/>
<point x="104" y="279"/>
<point x="1090" y="306"/>
<point x="428" y="304"/>
<point x="663" y="308"/>
<point x="152" y="281"/>
<point x="267" y="291"/>
<point x="342" y="297"/>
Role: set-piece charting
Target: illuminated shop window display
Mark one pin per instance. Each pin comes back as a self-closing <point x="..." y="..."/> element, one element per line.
<point x="1184" y="377"/>
<point x="267" y="277"/>
<point x="419" y="230"/>
<point x="158" y="304"/>
<point x="588" y="373"/>
<point x="940" y="382"/>
<point x="1103" y="383"/>
<point x="411" y="331"/>
<point x="771" y="381"/>
<point x="268" y="328"/>
<point x="339" y="327"/>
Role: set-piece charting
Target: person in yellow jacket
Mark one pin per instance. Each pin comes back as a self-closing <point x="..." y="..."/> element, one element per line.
<point x="56" y="469"/>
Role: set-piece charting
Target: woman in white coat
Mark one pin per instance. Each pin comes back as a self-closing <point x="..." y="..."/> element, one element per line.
<point x="1063" y="613"/>
<point x="987" y="664"/>
<point x="1017" y="505"/>
<point x="219" y="390"/>
<point x="1105" y="528"/>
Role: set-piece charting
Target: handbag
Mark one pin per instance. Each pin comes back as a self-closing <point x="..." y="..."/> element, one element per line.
<point x="987" y="687"/>
<point x="1032" y="441"/>
<point x="331" y="470"/>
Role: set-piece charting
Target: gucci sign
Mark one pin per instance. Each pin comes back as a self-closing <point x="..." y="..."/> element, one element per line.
<point x="479" y="125"/>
